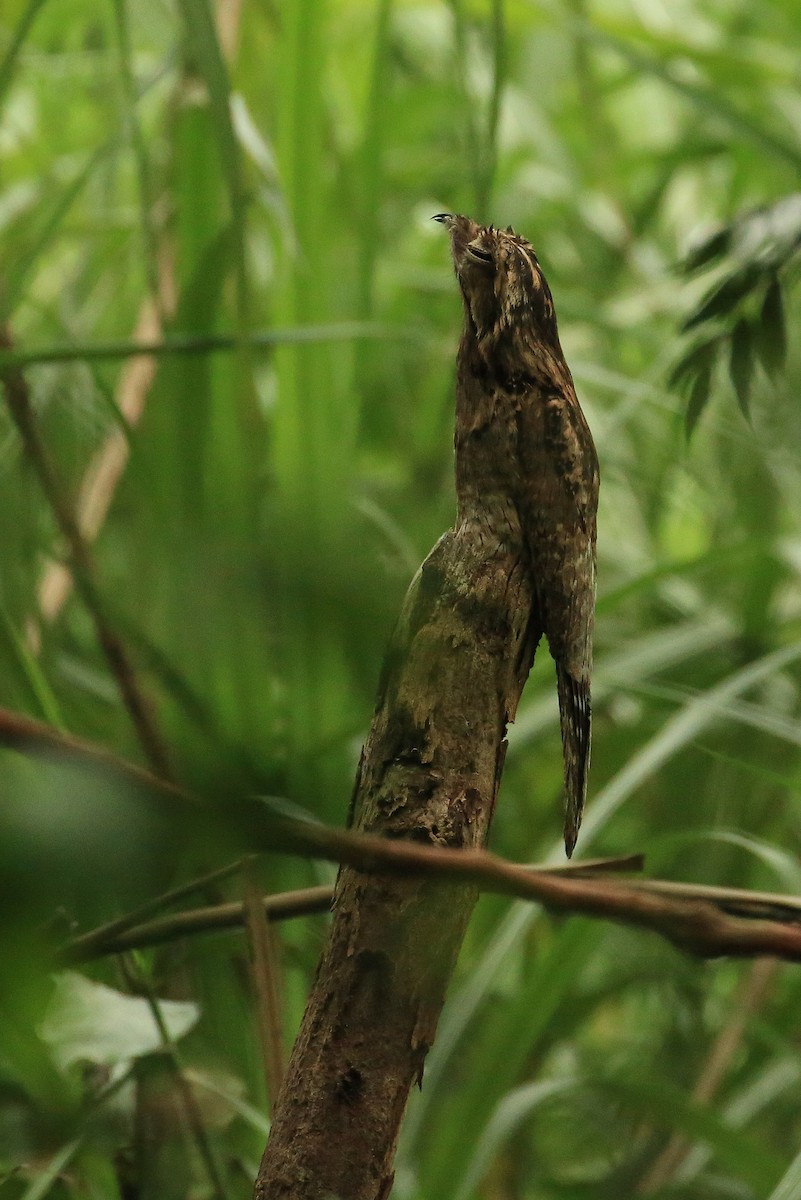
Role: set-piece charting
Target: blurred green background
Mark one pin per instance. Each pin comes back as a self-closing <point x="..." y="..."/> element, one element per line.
<point x="263" y="174"/>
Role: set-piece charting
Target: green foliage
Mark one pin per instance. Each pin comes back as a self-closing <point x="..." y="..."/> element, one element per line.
<point x="262" y="186"/>
<point x="745" y="306"/>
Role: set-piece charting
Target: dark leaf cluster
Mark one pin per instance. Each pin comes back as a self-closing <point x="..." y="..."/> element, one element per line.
<point x="740" y="319"/>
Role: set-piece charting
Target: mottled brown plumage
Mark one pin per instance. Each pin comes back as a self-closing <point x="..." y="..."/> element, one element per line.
<point x="526" y="462"/>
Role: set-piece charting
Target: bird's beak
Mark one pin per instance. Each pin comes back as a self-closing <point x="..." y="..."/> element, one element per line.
<point x="443" y="218"/>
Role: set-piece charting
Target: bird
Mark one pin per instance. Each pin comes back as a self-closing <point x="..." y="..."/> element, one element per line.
<point x="526" y="463"/>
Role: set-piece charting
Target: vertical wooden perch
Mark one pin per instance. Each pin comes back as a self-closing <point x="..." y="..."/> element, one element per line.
<point x="430" y="771"/>
<point x="527" y="489"/>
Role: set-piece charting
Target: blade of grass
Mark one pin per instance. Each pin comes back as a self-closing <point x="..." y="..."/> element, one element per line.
<point x="789" y="1186"/>
<point x="756" y="716"/>
<point x="515" y="1107"/>
<point x="201" y="36"/>
<point x="677" y="733"/>
<point x="498" y="1051"/>
<point x="314" y="426"/>
<point x="375" y="129"/>
<point x="40" y="690"/>
<point x="136" y="137"/>
<point x="86" y="944"/>
<point x="44" y="1182"/>
<point x="674" y="736"/>
<point x="17" y="42"/>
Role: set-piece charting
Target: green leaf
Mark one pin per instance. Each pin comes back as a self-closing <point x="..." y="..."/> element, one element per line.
<point x="726" y="296"/>
<point x="741" y="364"/>
<point x="208" y="59"/>
<point x="692" y="362"/>
<point x="711" y="248"/>
<point x="789" y="1186"/>
<point x="770" y="234"/>
<point x="89" y="1022"/>
<point x="771" y="342"/>
<point x="699" y="394"/>
<point x="510" y="1113"/>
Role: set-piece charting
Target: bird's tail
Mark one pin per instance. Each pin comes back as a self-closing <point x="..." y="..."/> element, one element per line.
<point x="575" y="712"/>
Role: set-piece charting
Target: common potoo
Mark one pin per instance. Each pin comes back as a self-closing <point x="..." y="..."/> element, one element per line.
<point x="526" y="464"/>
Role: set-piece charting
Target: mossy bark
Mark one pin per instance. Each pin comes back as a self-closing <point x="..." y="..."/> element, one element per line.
<point x="430" y="771"/>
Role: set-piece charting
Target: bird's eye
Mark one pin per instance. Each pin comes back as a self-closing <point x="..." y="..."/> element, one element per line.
<point x="476" y="252"/>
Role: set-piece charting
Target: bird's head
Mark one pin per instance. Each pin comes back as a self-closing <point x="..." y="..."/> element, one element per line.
<point x="500" y="277"/>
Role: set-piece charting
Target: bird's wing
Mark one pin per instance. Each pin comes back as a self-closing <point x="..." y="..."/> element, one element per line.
<point x="557" y="503"/>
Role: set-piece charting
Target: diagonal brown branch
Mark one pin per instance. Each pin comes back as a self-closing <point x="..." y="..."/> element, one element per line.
<point x="209" y="919"/>
<point x="32" y="737"/>
<point x="82" y="565"/>
<point x="110" y="938"/>
<point x="133" y="931"/>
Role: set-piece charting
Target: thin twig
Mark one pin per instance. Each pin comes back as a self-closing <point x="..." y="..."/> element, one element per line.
<point x="107" y="939"/>
<point x="132" y="931"/>
<point x="210" y="919"/>
<point x="82" y="565"/>
<point x="188" y="343"/>
<point x="689" y="915"/>
<point x="32" y="737"/>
